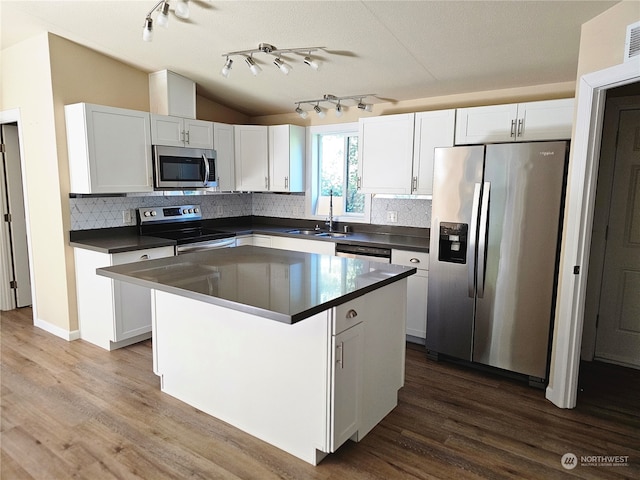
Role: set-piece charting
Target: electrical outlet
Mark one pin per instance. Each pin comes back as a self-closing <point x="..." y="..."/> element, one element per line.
<point x="126" y="216"/>
<point x="392" y="217"/>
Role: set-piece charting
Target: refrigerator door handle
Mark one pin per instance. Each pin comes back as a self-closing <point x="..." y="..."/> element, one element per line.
<point x="482" y="240"/>
<point x="471" y="244"/>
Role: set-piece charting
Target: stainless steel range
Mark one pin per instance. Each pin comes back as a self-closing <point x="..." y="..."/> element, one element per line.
<point x="184" y="225"/>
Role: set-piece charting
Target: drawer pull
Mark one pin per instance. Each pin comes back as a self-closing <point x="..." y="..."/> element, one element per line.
<point x="352" y="313"/>
<point x="144" y="257"/>
<point x="415" y="260"/>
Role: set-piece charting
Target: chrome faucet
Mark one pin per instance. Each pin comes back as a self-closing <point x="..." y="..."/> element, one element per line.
<point x="329" y="222"/>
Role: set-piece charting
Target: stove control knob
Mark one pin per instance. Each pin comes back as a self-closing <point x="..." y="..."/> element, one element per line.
<point x="154" y="213"/>
<point x="185" y="211"/>
<point x="191" y="210"/>
<point x="147" y="214"/>
<point x="196" y="209"/>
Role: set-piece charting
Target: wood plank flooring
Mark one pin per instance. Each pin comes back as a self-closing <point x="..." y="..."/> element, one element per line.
<point x="72" y="410"/>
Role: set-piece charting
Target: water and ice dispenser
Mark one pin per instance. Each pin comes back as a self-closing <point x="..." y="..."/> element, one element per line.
<point x="453" y="242"/>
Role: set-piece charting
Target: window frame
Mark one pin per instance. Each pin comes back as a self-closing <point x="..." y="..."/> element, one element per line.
<point x="313" y="172"/>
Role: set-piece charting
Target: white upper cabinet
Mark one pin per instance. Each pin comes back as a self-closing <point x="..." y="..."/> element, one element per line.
<point x="225" y="156"/>
<point x="517" y="122"/>
<point x="181" y="132"/>
<point x="109" y="149"/>
<point x="386" y="154"/>
<point x="286" y="158"/>
<point x="396" y="151"/>
<point x="432" y="129"/>
<point x="252" y="157"/>
<point x="172" y="94"/>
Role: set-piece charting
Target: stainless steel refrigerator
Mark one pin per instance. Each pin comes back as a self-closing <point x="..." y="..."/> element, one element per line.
<point x="496" y="214"/>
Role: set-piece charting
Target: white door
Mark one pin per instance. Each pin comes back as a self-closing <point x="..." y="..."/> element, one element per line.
<point x="198" y="133"/>
<point x="225" y="154"/>
<point x="618" y="334"/>
<point x="252" y="157"/>
<point x="18" y="224"/>
<point x="166" y="130"/>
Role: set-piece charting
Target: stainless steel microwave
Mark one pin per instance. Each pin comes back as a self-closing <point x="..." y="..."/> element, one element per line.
<point x="183" y="167"/>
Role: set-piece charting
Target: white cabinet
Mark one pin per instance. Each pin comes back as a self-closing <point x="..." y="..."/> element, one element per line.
<point x="112" y="314"/>
<point x="286" y="158"/>
<point x="417" y="291"/>
<point x="109" y="149"/>
<point x="396" y="151"/>
<point x="181" y="132"/>
<point x="432" y="129"/>
<point x="225" y="156"/>
<point x="172" y="94"/>
<point x="521" y="122"/>
<point x="252" y="157"/>
<point x="386" y="154"/>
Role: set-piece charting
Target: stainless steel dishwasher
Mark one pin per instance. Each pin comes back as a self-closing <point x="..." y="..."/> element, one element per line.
<point x="375" y="254"/>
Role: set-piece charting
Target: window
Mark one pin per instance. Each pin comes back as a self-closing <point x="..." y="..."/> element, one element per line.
<point x="335" y="171"/>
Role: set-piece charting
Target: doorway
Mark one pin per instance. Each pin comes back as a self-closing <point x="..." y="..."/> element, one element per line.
<point x="15" y="283"/>
<point x="612" y="308"/>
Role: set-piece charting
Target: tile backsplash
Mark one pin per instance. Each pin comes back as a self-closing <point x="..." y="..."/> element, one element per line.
<point x="107" y="212"/>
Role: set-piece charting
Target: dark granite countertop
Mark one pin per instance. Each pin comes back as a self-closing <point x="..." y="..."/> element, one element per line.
<point x="116" y="240"/>
<point x="276" y="284"/>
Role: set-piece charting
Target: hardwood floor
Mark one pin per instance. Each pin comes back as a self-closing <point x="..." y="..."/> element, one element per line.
<point x="72" y="410"/>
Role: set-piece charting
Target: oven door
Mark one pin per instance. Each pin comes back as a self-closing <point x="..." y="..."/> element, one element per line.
<point x="178" y="167"/>
<point x="206" y="245"/>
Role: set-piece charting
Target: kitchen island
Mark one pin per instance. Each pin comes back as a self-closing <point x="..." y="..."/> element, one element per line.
<point x="303" y="351"/>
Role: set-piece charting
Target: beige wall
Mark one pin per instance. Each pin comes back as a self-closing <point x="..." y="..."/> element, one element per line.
<point x="26" y="85"/>
<point x="214" y="112"/>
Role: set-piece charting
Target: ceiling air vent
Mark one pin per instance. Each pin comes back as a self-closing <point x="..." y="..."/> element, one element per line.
<point x="632" y="42"/>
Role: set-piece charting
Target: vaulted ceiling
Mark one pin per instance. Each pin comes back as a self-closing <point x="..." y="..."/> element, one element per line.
<point x="399" y="50"/>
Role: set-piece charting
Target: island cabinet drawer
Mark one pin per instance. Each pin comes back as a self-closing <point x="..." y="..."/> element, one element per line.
<point x="348" y="314"/>
<point x="139" y="255"/>
<point x="418" y="260"/>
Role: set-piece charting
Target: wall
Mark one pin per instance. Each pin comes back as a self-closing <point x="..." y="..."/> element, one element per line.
<point x="214" y="112"/>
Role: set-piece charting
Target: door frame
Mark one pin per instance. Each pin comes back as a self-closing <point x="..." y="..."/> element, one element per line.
<point x="13" y="116"/>
<point x="576" y="244"/>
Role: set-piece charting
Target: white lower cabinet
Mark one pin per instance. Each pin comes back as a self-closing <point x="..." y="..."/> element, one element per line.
<point x="417" y="291"/>
<point x="112" y="314"/>
<point x="303" y="245"/>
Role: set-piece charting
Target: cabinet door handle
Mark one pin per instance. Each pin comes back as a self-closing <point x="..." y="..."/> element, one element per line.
<point x="513" y="128"/>
<point x="359" y="183"/>
<point x="286" y="182"/>
<point x="144" y="257"/>
<point x="266" y="182"/>
<point x="182" y="136"/>
<point x="415" y="184"/>
<point x="520" y="125"/>
<point x="340" y="359"/>
<point x="415" y="260"/>
<point x="352" y="314"/>
<point x="186" y="137"/>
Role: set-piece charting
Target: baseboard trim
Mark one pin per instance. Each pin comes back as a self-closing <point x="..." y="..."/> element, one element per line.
<point x="68" y="335"/>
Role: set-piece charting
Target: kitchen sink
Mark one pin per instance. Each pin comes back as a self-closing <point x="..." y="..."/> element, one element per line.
<point x="304" y="232"/>
<point x="317" y="233"/>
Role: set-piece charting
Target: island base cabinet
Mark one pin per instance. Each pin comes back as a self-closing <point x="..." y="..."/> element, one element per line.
<point x="305" y="388"/>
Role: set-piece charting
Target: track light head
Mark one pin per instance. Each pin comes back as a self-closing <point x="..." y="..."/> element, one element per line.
<point x="302" y="113"/>
<point x="339" y="110"/>
<point x="147" y="32"/>
<point x="311" y="62"/>
<point x="320" y="111"/>
<point x="163" y="16"/>
<point x="226" y="70"/>
<point x="182" y="9"/>
<point x="255" y="68"/>
<point x="365" y="106"/>
<point x="283" y="66"/>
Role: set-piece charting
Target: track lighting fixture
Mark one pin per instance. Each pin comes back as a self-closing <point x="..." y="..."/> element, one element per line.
<point x="279" y="54"/>
<point x="337" y="101"/>
<point x="255" y="69"/>
<point x="181" y="11"/>
<point x="226" y="70"/>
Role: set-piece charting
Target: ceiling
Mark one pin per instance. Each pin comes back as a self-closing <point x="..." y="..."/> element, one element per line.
<point x="399" y="50"/>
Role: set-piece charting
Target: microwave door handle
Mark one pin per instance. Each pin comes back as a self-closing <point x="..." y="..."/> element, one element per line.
<point x="206" y="169"/>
